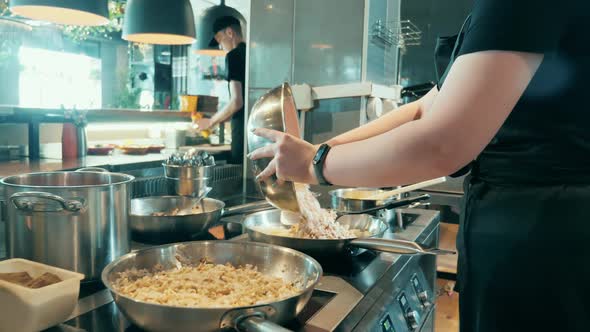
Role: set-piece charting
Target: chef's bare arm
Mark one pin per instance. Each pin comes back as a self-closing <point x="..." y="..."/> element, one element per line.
<point x="406" y="113"/>
<point x="235" y="104"/>
<point x="479" y="93"/>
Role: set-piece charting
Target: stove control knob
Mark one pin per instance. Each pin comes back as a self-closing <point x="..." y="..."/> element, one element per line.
<point x="423" y="296"/>
<point x="413" y="318"/>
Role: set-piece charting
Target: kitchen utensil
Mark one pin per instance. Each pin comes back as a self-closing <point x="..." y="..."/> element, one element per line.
<point x="391" y="193"/>
<point x="188" y="180"/>
<point x="274" y="110"/>
<point x="288" y="264"/>
<point x="290" y="218"/>
<point x="197" y="201"/>
<point x="135" y="149"/>
<point x="155" y="148"/>
<point x="82" y="141"/>
<point x="392" y="204"/>
<point x="260" y="226"/>
<point x="92" y="169"/>
<point x="361" y="199"/>
<point x="77" y="221"/>
<point x="146" y="227"/>
<point x="26" y="309"/>
<point x="100" y="150"/>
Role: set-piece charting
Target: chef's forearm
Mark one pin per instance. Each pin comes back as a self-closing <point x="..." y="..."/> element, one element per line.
<point x="385" y="123"/>
<point x="408" y="154"/>
<point x="404" y="114"/>
<point x="226" y="113"/>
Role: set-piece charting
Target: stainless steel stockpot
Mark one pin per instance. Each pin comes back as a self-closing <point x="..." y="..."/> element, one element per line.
<point x="73" y="220"/>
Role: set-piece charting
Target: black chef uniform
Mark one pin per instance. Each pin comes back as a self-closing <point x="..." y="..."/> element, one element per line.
<point x="524" y="239"/>
<point x="235" y="62"/>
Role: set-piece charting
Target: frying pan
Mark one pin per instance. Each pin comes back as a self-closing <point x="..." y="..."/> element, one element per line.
<point x="168" y="229"/>
<point x="288" y="264"/>
<point x="260" y="226"/>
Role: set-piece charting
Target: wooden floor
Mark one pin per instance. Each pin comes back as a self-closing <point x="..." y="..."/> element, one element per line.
<point x="447" y="307"/>
<point x="447" y="301"/>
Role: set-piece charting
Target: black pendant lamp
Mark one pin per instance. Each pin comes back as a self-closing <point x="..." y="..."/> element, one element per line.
<point x="70" y="12"/>
<point x="205" y="28"/>
<point x="161" y="22"/>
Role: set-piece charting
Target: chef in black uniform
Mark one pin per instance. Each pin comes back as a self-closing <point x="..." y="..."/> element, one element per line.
<point x="512" y="108"/>
<point x="228" y="35"/>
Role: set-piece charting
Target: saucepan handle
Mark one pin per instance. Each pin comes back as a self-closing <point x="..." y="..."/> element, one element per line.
<point x="398" y="247"/>
<point x="392" y="204"/>
<point x="23" y="201"/>
<point x="258" y="324"/>
<point x="92" y="169"/>
<point x="246" y="208"/>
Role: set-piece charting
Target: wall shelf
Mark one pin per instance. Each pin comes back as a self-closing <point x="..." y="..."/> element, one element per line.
<point x="34" y="117"/>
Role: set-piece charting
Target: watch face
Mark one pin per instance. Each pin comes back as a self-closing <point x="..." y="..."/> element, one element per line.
<point x="316" y="159"/>
<point x="318" y="155"/>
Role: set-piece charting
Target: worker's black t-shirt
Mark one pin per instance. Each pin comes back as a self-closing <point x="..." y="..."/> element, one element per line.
<point x="235" y="63"/>
<point x="546" y="138"/>
<point x="537" y="164"/>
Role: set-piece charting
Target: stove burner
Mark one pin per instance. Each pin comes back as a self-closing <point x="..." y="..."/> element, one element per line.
<point x="347" y="265"/>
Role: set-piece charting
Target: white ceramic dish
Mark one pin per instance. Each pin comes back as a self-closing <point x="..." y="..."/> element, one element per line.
<point x="25" y="309"/>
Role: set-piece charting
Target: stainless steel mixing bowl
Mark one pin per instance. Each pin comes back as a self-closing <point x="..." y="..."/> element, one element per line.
<point x="274" y="110"/>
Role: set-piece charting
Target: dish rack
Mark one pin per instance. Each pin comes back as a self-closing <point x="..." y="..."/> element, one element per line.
<point x="396" y="33"/>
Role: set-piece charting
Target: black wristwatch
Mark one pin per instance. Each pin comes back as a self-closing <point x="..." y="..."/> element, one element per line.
<point x="318" y="164"/>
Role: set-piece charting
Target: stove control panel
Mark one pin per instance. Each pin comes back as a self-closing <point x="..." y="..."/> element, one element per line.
<point x="421" y="293"/>
<point x="387" y="324"/>
<point x="406" y="302"/>
<point x="412" y="316"/>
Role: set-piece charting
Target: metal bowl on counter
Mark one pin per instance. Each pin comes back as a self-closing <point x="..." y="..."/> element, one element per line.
<point x="77" y="221"/>
<point x="288" y="264"/>
<point x="274" y="110"/>
<point x="188" y="180"/>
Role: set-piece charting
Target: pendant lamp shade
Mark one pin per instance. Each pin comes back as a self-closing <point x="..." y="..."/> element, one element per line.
<point x="70" y="12"/>
<point x="205" y="31"/>
<point x="161" y="22"/>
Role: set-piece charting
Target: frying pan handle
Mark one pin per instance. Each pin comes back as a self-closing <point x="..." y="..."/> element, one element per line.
<point x="397" y="247"/>
<point x="393" y="204"/>
<point x="246" y="208"/>
<point x="258" y="324"/>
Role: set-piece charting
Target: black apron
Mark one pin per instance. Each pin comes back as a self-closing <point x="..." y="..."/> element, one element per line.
<point x="523" y="246"/>
<point x="237" y="139"/>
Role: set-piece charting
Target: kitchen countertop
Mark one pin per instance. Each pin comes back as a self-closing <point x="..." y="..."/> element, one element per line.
<point x="15" y="167"/>
<point x="25" y="165"/>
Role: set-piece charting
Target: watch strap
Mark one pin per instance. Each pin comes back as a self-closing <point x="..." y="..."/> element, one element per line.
<point x="318" y="163"/>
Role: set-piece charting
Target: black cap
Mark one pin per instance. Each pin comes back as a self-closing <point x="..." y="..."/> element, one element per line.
<point x="220" y="24"/>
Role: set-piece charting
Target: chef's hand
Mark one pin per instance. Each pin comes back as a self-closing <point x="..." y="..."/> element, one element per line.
<point x="291" y="157"/>
<point x="203" y="124"/>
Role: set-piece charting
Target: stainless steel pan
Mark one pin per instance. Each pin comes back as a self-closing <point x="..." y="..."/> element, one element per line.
<point x="349" y="206"/>
<point x="342" y="203"/>
<point x="288" y="264"/>
<point x="259" y="224"/>
<point x="169" y="229"/>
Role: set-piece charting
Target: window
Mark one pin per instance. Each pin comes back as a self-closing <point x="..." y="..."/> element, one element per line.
<point x="50" y="79"/>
